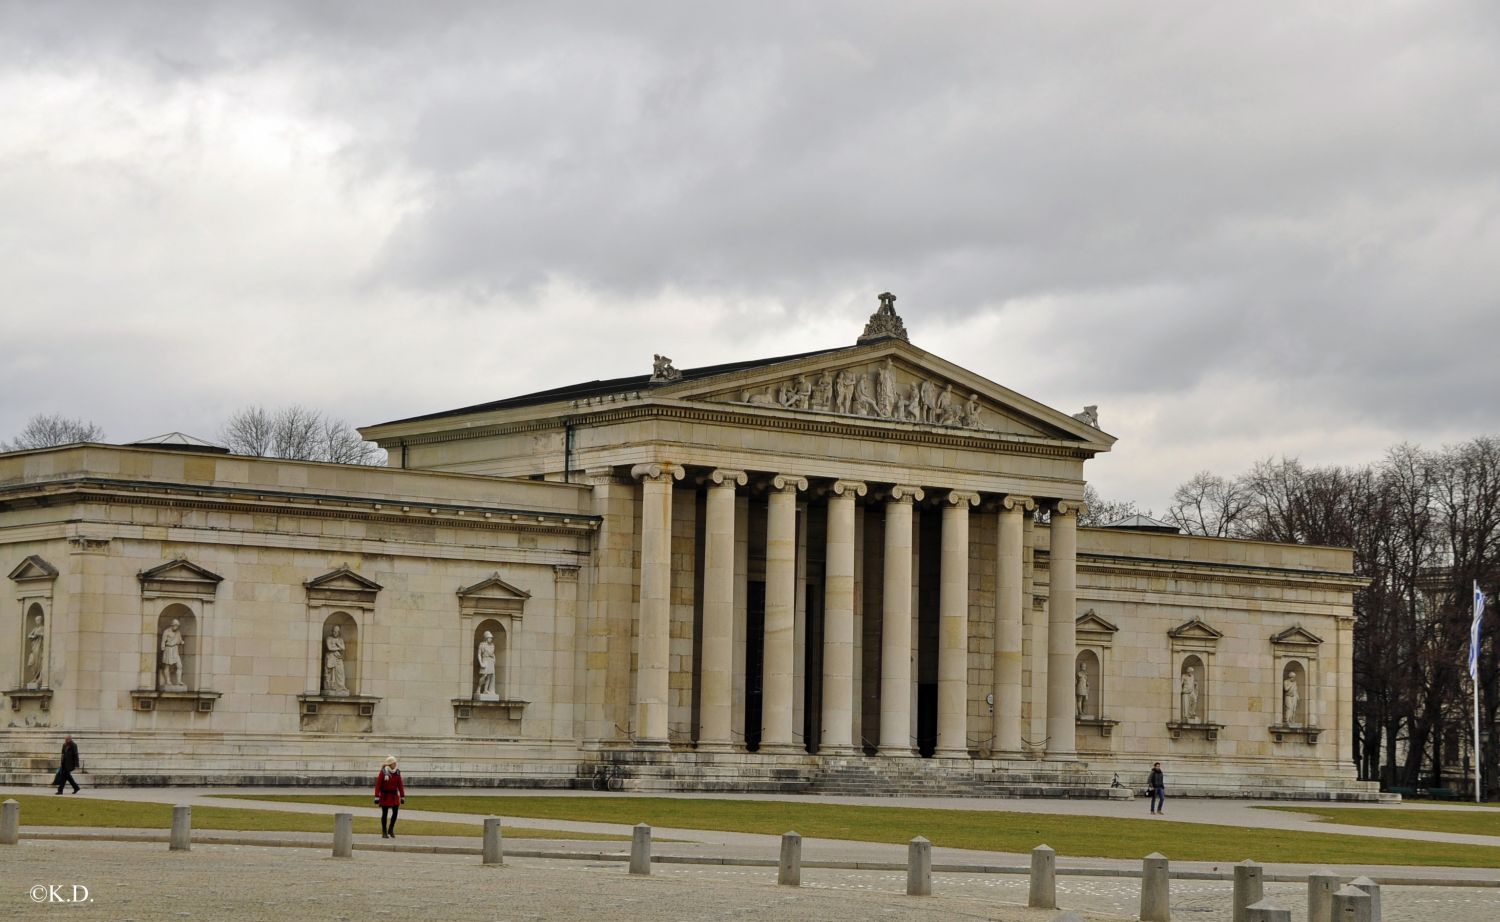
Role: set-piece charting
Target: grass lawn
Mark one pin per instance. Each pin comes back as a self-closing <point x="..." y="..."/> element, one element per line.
<point x="986" y="830"/>
<point x="70" y="810"/>
<point x="1471" y="822"/>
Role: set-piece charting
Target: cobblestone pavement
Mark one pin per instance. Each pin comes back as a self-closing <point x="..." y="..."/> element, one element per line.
<point x="142" y="882"/>
<point x="147" y="883"/>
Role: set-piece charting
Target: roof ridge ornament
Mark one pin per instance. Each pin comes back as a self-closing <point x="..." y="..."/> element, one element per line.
<point x="662" y="370"/>
<point x="885" y="323"/>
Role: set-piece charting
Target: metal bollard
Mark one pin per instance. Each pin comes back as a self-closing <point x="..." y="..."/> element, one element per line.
<point x="919" y="867"/>
<point x="1249" y="887"/>
<point x="1372" y="888"/>
<point x="1155" y="889"/>
<point x="343" y="835"/>
<point x="1263" y="911"/>
<point x="1043" y="893"/>
<point x="1320" y="887"/>
<point x="789" y="871"/>
<point x="182" y="829"/>
<point x="1351" y="904"/>
<point x="640" y="850"/>
<point x="492" y="845"/>
<point x="10" y="823"/>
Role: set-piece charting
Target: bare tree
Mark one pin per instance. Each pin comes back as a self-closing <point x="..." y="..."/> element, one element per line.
<point x="1209" y="505"/>
<point x="1102" y="511"/>
<point x="296" y="433"/>
<point x="45" y="430"/>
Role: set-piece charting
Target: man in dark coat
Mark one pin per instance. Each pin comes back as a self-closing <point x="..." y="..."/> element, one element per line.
<point x="1158" y="787"/>
<point x="69" y="764"/>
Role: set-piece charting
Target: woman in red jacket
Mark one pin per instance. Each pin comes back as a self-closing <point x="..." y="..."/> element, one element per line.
<point x="390" y="794"/>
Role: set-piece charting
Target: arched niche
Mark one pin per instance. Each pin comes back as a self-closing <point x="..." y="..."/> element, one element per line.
<point x="1088" y="686"/>
<point x="500" y="638"/>
<point x="338" y="655"/>
<point x="178" y="648"/>
<point x="1192" y="690"/>
<point x="1293" y="695"/>
<point x="34" y="647"/>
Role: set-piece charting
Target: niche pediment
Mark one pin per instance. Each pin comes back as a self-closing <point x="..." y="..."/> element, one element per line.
<point x="342" y="586"/>
<point x="492" y="595"/>
<point x="1196" y="629"/>
<point x="1296" y="635"/>
<point x="32" y="570"/>
<point x="1091" y="628"/>
<point x="179" y="577"/>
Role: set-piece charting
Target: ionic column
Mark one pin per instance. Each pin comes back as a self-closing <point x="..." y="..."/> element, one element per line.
<point x="653" y="656"/>
<point x="895" y="630"/>
<point x="781" y="613"/>
<point x="953" y="628"/>
<point x="1009" y="596"/>
<point x="716" y="669"/>
<point x="1062" y="642"/>
<point x="838" y="622"/>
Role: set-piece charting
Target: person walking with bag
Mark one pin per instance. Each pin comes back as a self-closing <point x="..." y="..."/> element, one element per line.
<point x="1158" y="787"/>
<point x="390" y="794"/>
<point x="68" y="765"/>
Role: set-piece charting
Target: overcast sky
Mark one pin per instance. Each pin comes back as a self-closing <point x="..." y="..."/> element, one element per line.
<point x="1241" y="230"/>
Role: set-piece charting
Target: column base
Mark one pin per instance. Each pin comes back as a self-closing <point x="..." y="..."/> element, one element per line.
<point x="895" y="753"/>
<point x="720" y="746"/>
<point x="838" y="752"/>
<point x="782" y="749"/>
<point x="951" y="754"/>
<point x="652" y="745"/>
<point x="1061" y="757"/>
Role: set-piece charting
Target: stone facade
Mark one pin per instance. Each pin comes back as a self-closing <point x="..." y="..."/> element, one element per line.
<point x="858" y="565"/>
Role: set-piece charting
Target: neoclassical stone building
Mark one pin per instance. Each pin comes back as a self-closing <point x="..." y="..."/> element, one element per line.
<point x="852" y="569"/>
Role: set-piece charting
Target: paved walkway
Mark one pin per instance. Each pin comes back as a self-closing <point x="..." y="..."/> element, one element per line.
<point x="308" y="884"/>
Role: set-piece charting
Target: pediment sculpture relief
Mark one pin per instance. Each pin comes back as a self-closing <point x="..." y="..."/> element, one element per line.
<point x="877" y="393"/>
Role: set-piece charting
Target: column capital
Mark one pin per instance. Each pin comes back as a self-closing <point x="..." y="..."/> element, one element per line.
<point x="904" y="493"/>
<point x="599" y="476"/>
<point x="565" y="573"/>
<point x="1017" y="501"/>
<point x="788" y="483"/>
<point x="725" y="477"/>
<point x="961" y="498"/>
<point x="1069" y="507"/>
<point x="657" y="470"/>
<point x="857" y="487"/>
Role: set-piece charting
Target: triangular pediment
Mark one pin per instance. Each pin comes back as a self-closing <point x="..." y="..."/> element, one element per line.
<point x="179" y="577"/>
<point x="887" y="382"/>
<point x="1090" y="622"/>
<point x="493" y="595"/>
<point x="344" y="579"/>
<point x="1296" y="634"/>
<point x="33" y="569"/>
<point x="1195" y="629"/>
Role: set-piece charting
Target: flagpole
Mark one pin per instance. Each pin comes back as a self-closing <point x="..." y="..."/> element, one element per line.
<point x="1474" y="630"/>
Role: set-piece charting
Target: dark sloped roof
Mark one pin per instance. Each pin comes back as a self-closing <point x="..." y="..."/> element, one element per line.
<point x="610" y="386"/>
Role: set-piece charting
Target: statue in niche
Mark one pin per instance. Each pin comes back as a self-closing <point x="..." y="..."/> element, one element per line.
<point x="333" y="663"/>
<point x="929" y="401"/>
<point x="171" y="657"/>
<point x="822" y="394"/>
<point x="1291" y="696"/>
<point x="864" y="400"/>
<point x="1189" y="695"/>
<point x="885" y="389"/>
<point x="36" y="641"/>
<point x="971" y="412"/>
<point x="843" y="392"/>
<point x="911" y="407"/>
<point x="485" y="656"/>
<point x="1081" y="691"/>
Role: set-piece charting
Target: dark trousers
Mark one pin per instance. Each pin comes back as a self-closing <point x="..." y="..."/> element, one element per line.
<point x="388" y="829"/>
<point x="1158" y="799"/>
<point x="65" y="777"/>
